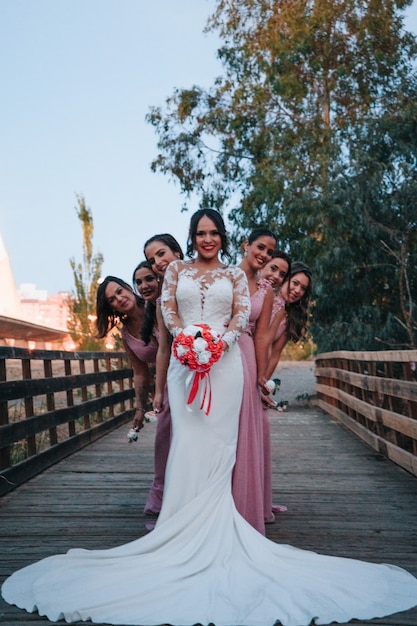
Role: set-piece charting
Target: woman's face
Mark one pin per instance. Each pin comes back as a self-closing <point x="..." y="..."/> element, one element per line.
<point x="147" y="283"/>
<point x="121" y="299"/>
<point x="160" y="256"/>
<point x="275" y="271"/>
<point x="208" y="241"/>
<point x="295" y="288"/>
<point x="260" y="251"/>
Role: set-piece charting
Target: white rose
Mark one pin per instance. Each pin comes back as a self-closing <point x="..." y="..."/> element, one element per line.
<point x="270" y="385"/>
<point x="200" y="344"/>
<point x="204" y="357"/>
<point x="192" y="330"/>
<point x="181" y="350"/>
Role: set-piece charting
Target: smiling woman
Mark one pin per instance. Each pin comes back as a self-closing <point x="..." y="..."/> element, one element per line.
<point x="249" y="471"/>
<point x="117" y="303"/>
<point x="206" y="562"/>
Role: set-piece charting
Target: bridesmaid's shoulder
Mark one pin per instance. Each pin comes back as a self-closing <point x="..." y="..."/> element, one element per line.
<point x="235" y="272"/>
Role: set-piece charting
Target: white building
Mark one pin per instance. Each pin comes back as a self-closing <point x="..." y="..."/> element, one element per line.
<point x="31" y="319"/>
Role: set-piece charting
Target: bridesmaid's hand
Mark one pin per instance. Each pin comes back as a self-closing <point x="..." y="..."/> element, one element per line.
<point x="138" y="419"/>
<point x="158" y="403"/>
<point x="261" y="383"/>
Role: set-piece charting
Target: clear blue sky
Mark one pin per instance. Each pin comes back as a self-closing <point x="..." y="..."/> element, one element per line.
<point x="77" y="78"/>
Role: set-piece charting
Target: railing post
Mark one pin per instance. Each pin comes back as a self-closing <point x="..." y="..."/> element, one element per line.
<point x="50" y="401"/>
<point x="29" y="410"/>
<point x="109" y="386"/>
<point x="4" y="419"/>
<point x="70" y="399"/>
<point x="84" y="396"/>
<point x="98" y="390"/>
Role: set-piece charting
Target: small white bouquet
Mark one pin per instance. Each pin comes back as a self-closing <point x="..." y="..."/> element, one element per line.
<point x="132" y="435"/>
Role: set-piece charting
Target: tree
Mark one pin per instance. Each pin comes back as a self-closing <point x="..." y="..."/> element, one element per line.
<point x="270" y="142"/>
<point x="82" y="303"/>
<point x="382" y="184"/>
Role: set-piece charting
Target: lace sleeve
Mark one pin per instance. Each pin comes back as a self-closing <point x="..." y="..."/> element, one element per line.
<point x="240" y="309"/>
<point x="169" y="305"/>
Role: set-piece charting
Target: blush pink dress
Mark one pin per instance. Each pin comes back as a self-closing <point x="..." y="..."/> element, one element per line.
<point x="248" y="473"/>
<point x="147" y="354"/>
<point x="269" y="507"/>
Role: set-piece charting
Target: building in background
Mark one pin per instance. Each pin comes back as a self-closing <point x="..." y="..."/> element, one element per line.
<point x="28" y="318"/>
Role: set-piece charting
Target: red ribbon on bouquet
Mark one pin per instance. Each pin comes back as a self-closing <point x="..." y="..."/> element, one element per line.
<point x="206" y="399"/>
<point x="198" y="348"/>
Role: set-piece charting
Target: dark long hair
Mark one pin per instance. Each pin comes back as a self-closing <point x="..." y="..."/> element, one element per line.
<point x="298" y="311"/>
<point x="107" y="318"/>
<point x="149" y="319"/>
<point x="219" y="223"/>
<point x="261" y="232"/>
<point x="168" y="240"/>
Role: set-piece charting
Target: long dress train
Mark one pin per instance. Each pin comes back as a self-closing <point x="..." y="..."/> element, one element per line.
<point x="204" y="563"/>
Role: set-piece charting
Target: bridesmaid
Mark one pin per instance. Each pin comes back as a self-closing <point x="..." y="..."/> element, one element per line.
<point x="290" y="323"/>
<point x="290" y="318"/>
<point x="117" y="303"/>
<point x="276" y="272"/>
<point x="248" y="473"/>
<point x="160" y="250"/>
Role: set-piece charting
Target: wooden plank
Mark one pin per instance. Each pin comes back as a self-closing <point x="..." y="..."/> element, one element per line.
<point x="37" y="423"/>
<point x="30" y="467"/>
<point x="396" y="421"/>
<point x="387" y="386"/>
<point x="15" y="389"/>
<point x="395" y="356"/>
<point x="343" y="498"/>
<point x="404" y="459"/>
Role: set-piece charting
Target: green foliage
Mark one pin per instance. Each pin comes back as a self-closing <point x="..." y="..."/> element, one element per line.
<point x="82" y="303"/>
<point x="304" y="116"/>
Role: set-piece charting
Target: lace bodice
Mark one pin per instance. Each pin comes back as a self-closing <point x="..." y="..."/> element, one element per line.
<point x="219" y="298"/>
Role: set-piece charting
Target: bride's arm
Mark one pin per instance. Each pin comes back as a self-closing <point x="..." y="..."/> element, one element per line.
<point x="240" y="308"/>
<point x="169" y="306"/>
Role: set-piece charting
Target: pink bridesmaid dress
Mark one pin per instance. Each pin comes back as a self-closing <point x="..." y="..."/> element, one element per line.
<point x="269" y="507"/>
<point x="248" y="473"/>
<point x="147" y="353"/>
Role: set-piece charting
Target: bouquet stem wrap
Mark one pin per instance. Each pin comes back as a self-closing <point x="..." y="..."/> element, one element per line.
<point x="206" y="399"/>
<point x="198" y="348"/>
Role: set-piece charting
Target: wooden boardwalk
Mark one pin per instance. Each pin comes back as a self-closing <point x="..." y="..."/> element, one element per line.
<point x="342" y="498"/>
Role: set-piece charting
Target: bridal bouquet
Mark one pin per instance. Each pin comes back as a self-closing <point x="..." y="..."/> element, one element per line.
<point x="198" y="347"/>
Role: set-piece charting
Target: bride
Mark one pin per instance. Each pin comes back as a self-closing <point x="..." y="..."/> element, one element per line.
<point x="203" y="563"/>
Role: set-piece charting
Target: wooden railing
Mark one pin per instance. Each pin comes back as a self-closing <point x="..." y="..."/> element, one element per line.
<point x="375" y="395"/>
<point x="53" y="403"/>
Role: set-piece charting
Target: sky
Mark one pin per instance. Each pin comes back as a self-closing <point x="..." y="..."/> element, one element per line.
<point x="77" y="80"/>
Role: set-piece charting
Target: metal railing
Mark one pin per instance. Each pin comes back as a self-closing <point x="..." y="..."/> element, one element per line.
<point x="53" y="403"/>
<point x="374" y="394"/>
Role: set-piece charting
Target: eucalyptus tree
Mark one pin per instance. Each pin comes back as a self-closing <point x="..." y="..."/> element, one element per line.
<point x="270" y="139"/>
<point x="380" y="189"/>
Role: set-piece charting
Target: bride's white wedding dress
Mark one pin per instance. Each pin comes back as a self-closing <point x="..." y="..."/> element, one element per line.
<point x="203" y="563"/>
